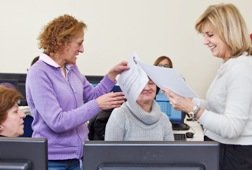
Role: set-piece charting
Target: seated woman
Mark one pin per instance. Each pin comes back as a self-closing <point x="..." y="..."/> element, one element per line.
<point x="11" y="118"/>
<point x="163" y="61"/>
<point x="140" y="121"/>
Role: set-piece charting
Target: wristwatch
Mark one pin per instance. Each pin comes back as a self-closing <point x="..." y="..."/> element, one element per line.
<point x="192" y="114"/>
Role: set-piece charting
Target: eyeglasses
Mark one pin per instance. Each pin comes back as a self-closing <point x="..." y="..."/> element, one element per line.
<point x="164" y="65"/>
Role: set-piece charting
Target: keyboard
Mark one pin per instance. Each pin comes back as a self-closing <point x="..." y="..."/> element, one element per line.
<point x="180" y="136"/>
<point x="180" y="126"/>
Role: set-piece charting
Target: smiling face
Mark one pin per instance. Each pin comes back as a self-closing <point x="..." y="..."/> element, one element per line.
<point x="217" y="46"/>
<point x="73" y="49"/>
<point x="13" y="125"/>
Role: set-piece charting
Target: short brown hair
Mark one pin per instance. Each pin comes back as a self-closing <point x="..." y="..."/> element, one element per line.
<point x="8" y="98"/>
<point x="161" y="58"/>
<point x="59" y="32"/>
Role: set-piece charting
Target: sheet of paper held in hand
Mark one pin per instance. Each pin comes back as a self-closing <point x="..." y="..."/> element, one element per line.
<point x="133" y="80"/>
<point x="168" y="78"/>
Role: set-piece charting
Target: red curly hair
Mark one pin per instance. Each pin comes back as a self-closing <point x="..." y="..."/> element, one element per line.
<point x="59" y="32"/>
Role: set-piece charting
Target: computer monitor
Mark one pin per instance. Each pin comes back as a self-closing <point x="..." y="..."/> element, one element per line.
<point x="129" y="155"/>
<point x="176" y="117"/>
<point x="23" y="153"/>
<point x="18" y="80"/>
<point x="94" y="79"/>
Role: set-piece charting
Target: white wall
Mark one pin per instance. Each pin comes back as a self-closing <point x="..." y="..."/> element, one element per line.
<point x="116" y="29"/>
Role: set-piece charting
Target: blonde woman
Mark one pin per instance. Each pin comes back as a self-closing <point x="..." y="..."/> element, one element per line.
<point x="226" y="114"/>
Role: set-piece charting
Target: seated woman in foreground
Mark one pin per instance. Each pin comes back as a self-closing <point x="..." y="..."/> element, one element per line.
<point x="140" y="121"/>
<point x="11" y="117"/>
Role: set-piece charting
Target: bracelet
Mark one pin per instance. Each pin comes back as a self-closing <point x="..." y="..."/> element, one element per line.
<point x="193" y="114"/>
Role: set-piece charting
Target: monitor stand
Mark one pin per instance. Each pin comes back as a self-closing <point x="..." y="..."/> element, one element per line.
<point x="180" y="126"/>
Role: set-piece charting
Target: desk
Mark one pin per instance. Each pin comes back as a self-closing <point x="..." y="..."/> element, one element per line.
<point x="196" y="128"/>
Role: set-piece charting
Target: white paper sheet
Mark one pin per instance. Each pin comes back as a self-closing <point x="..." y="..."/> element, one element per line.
<point x="132" y="81"/>
<point x="168" y="78"/>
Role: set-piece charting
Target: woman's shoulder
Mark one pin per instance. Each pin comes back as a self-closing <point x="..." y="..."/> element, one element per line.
<point x="39" y="66"/>
<point x="119" y="115"/>
<point x="121" y="111"/>
<point x="240" y="64"/>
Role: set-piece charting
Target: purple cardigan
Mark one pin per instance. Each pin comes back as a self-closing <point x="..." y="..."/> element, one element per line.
<point x="61" y="107"/>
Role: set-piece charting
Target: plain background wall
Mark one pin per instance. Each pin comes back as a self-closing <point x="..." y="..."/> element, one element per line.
<point x="116" y="29"/>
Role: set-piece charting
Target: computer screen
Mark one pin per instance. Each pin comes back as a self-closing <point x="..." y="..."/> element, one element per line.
<point x="18" y="80"/>
<point x="174" y="115"/>
<point x="94" y="79"/>
<point x="23" y="153"/>
<point x="129" y="155"/>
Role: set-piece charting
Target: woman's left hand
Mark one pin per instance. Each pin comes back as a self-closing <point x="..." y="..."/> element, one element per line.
<point x="117" y="69"/>
<point x="179" y="102"/>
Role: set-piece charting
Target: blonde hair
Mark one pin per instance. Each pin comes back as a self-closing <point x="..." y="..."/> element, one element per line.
<point x="230" y="26"/>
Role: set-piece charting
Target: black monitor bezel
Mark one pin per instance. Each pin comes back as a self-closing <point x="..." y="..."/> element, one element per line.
<point x="179" y="153"/>
<point x="18" y="80"/>
<point x="94" y="79"/>
<point x="21" y="150"/>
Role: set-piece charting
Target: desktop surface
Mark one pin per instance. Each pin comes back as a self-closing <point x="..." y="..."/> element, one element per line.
<point x="139" y="155"/>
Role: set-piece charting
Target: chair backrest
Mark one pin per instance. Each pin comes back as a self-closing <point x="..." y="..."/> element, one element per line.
<point x="28" y="126"/>
<point x="97" y="125"/>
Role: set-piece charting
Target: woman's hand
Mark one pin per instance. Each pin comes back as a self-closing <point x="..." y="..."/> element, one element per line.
<point x="117" y="69"/>
<point x="179" y="102"/>
<point x="110" y="100"/>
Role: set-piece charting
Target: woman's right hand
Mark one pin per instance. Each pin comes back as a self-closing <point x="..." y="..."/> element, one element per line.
<point x="119" y="68"/>
<point x="110" y="100"/>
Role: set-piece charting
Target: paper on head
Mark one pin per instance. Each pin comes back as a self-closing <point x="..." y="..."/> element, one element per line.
<point x="133" y="80"/>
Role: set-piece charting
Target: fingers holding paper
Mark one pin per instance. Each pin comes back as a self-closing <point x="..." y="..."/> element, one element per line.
<point x="117" y="69"/>
<point x="178" y="102"/>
